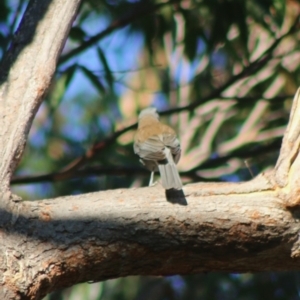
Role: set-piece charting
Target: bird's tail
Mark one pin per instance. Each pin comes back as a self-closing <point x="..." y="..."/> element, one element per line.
<point x="169" y="174"/>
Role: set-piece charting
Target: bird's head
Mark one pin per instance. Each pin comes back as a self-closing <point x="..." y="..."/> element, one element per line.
<point x="149" y="111"/>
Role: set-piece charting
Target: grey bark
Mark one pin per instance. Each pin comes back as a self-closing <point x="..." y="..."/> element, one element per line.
<point x="25" y="75"/>
<point x="50" y="244"/>
<point x="224" y="227"/>
<point x="26" y="72"/>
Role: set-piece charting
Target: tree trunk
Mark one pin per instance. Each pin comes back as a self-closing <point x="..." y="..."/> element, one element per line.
<point x="50" y="244"/>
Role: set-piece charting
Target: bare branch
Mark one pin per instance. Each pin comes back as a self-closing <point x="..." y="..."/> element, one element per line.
<point x="290" y="144"/>
<point x="136" y="232"/>
<point x="288" y="164"/>
<point x="32" y="56"/>
<point x="242" y="154"/>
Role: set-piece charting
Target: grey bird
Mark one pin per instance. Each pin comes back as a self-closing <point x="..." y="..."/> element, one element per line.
<point x="158" y="148"/>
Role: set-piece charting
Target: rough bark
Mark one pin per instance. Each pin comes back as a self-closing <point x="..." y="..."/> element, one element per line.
<point x="55" y="243"/>
<point x="46" y="245"/>
<point x="26" y="72"/>
<point x="25" y="75"/>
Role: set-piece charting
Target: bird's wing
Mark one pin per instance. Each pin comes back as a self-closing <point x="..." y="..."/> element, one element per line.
<point x="172" y="142"/>
<point x="150" y="149"/>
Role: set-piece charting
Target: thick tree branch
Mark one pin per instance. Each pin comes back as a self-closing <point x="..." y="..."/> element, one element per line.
<point x="225" y="227"/>
<point x="26" y="72"/>
<point x="288" y="164"/>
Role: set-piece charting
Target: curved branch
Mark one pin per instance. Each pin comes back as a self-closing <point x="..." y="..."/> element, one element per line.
<point x="288" y="164"/>
<point x="32" y="56"/>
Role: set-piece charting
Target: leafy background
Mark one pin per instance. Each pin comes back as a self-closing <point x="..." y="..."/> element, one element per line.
<point x="221" y="72"/>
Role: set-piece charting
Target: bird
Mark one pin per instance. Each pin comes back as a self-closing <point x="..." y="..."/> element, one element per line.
<point x="158" y="148"/>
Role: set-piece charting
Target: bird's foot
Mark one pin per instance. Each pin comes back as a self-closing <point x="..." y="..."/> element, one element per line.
<point x="153" y="183"/>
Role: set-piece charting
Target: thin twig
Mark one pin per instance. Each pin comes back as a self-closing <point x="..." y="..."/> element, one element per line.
<point x="128" y="171"/>
<point x="140" y="11"/>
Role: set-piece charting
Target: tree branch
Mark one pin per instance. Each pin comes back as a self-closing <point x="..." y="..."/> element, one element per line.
<point x="35" y="53"/>
<point x="210" y="163"/>
<point x="140" y="10"/>
<point x="225" y="227"/>
<point x="288" y="164"/>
